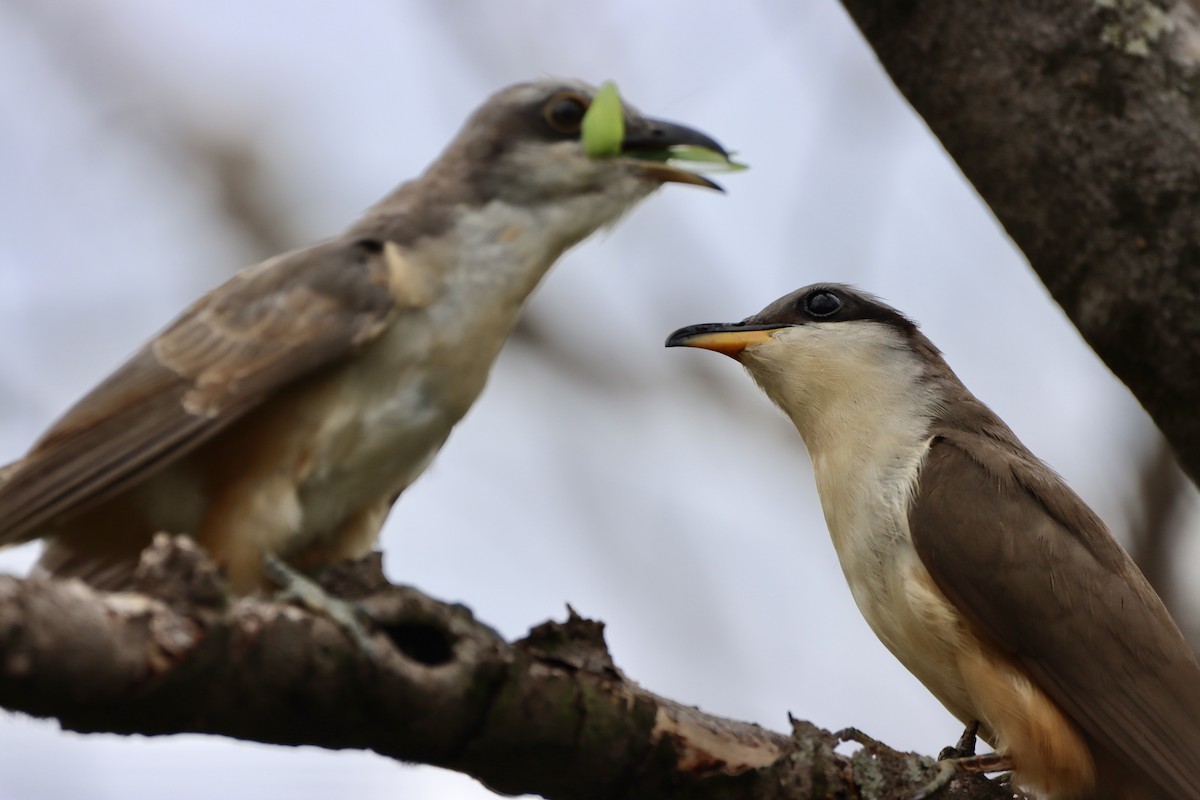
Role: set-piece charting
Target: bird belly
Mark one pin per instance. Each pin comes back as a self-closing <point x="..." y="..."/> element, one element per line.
<point x="866" y="511"/>
<point x="382" y="419"/>
<point x="912" y="618"/>
<point x="972" y="678"/>
<point x="360" y="455"/>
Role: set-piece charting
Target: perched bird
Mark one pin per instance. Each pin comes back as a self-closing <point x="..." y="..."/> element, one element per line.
<point x="284" y="412"/>
<point x="972" y="561"/>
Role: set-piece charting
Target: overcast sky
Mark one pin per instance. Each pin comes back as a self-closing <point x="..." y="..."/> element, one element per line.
<point x="653" y="489"/>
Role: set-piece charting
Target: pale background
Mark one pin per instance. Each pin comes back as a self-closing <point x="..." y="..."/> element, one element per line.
<point x="653" y="489"/>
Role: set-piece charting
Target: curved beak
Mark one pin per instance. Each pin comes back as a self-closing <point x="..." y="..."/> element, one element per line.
<point x="643" y="134"/>
<point x="729" y="338"/>
<point x="648" y="141"/>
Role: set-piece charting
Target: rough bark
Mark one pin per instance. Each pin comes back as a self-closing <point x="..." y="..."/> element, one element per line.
<point x="1078" y="121"/>
<point x="550" y="714"/>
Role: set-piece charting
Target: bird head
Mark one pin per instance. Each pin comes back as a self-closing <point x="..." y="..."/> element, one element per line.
<point x="829" y="356"/>
<point x="525" y="145"/>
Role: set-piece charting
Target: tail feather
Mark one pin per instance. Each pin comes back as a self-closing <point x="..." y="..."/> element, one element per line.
<point x="112" y="574"/>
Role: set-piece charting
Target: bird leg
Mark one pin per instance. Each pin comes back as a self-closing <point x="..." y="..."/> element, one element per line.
<point x="965" y="745"/>
<point x="295" y="587"/>
<point x="952" y="761"/>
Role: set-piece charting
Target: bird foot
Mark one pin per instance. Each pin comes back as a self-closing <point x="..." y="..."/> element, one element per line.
<point x="295" y="587"/>
<point x="950" y="768"/>
<point x="965" y="745"/>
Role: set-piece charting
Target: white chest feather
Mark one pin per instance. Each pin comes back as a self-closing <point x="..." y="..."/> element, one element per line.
<point x="865" y="420"/>
<point x="381" y="421"/>
<point x="866" y="509"/>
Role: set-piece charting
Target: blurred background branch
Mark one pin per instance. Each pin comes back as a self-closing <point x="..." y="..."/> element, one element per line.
<point x="1157" y="530"/>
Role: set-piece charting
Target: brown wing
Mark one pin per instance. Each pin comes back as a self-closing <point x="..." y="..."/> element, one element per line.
<point x="266" y="327"/>
<point x="1038" y="572"/>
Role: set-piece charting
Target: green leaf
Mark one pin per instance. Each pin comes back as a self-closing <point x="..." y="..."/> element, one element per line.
<point x="699" y="159"/>
<point x="603" y="126"/>
<point x="702" y="155"/>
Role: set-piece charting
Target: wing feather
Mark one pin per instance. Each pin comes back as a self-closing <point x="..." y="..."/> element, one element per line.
<point x="1038" y="573"/>
<point x="264" y="329"/>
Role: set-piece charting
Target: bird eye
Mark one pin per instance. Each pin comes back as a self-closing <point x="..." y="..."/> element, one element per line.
<point x="821" y="303"/>
<point x="564" y="112"/>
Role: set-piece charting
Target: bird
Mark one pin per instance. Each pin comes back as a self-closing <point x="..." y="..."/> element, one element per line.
<point x="284" y="412"/>
<point x="972" y="561"/>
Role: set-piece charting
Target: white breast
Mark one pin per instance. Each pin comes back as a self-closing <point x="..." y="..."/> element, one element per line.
<point x="866" y="511"/>
<point x="858" y="397"/>
<point x="388" y="413"/>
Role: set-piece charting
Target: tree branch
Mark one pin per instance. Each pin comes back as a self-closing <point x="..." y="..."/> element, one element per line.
<point x="1077" y="122"/>
<point x="549" y="714"/>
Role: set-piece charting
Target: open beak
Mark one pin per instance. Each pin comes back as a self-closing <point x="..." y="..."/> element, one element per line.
<point x="728" y="338"/>
<point x="648" y="141"/>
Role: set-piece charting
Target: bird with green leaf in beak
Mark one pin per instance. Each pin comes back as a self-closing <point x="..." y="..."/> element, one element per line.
<point x="284" y="412"/>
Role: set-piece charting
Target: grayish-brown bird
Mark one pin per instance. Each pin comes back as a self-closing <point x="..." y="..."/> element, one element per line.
<point x="284" y="412"/>
<point x="972" y="561"/>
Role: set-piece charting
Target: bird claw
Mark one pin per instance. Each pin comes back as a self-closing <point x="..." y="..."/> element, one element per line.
<point x="295" y="587"/>
<point x="965" y="746"/>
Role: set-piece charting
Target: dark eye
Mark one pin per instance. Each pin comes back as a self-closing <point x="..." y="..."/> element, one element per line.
<point x="564" y="112"/>
<point x="821" y="303"/>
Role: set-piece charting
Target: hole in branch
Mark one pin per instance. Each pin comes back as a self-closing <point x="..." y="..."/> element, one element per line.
<point x="425" y="644"/>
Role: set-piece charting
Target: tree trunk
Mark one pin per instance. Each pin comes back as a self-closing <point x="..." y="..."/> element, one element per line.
<point x="1078" y="123"/>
